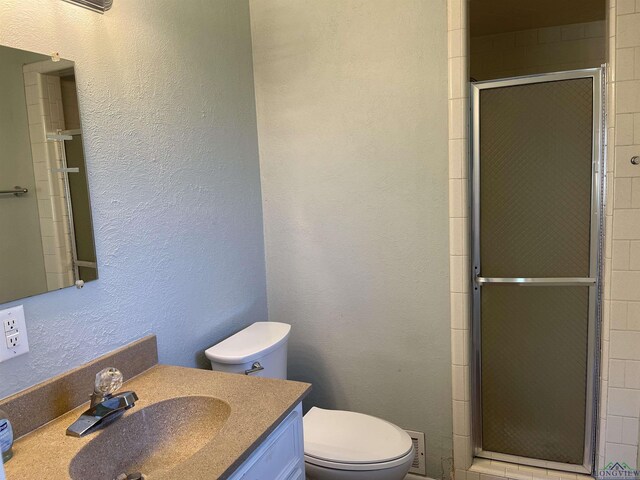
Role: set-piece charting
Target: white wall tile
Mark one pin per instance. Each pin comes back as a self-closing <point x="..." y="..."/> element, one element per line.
<point x="624" y="129"/>
<point x="457" y="115"/>
<point x="627" y="32"/>
<point x="487" y="467"/>
<point x="632" y="374"/>
<point x="604" y="398"/>
<point x="473" y="475"/>
<point x="619" y="312"/>
<point x="608" y="223"/>
<point x="621" y="453"/>
<point x="459" y="274"/>
<point x="614" y="429"/>
<point x="625" y="345"/>
<point x="515" y="474"/>
<point x="624" y="402"/>
<point x="630" y="431"/>
<point x="549" y="35"/>
<point x="625" y="286"/>
<point x="528" y="37"/>
<point x="626" y="225"/>
<point x="460" y="311"/>
<point x="462" y="452"/>
<point x="594" y="29"/>
<point x="457" y="208"/>
<point x="454" y="15"/>
<point x="460" y="347"/>
<point x="625" y="7"/>
<point x="604" y="353"/>
<point x="460" y="382"/>
<point x="627" y="97"/>
<point x="636" y="124"/>
<point x="485" y="476"/>
<point x="623" y="165"/>
<point x="634" y="255"/>
<point x="636" y="63"/>
<point x="635" y="192"/>
<point x="625" y="63"/>
<point x="572" y="32"/>
<point x="461" y="418"/>
<point x="620" y="260"/>
<point x="616" y="373"/>
<point x="456" y="43"/>
<point x="457" y="78"/>
<point x="633" y="315"/>
<point x="622" y="193"/>
<point x="458" y="158"/>
<point x="458" y="241"/>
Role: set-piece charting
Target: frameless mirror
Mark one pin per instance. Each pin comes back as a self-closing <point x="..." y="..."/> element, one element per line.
<point x="46" y="233"/>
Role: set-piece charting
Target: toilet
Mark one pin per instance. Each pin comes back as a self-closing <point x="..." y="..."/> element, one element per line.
<point x="338" y="445"/>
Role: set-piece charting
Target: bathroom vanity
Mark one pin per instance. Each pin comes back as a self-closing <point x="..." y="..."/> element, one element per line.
<point x="187" y="423"/>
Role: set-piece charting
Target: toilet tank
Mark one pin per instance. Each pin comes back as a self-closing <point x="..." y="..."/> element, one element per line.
<point x="264" y="343"/>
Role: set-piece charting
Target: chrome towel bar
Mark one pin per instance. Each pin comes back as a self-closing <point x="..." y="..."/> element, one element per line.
<point x="17" y="191"/>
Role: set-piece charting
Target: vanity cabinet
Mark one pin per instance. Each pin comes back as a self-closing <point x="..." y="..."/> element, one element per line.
<point x="280" y="456"/>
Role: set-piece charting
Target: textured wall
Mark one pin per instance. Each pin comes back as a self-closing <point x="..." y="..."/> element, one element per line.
<point x="352" y="121"/>
<point x="167" y="102"/>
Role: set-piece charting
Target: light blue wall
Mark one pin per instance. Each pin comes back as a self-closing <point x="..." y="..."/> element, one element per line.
<point x="352" y="121"/>
<point x="167" y="101"/>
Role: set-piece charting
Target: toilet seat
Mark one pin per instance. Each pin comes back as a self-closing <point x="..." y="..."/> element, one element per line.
<point x="343" y="440"/>
<point x="358" y="466"/>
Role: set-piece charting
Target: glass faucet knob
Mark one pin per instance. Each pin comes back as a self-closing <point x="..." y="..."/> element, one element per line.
<point x="108" y="381"/>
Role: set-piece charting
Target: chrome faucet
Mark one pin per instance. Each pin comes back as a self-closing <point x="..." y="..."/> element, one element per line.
<point x="105" y="405"/>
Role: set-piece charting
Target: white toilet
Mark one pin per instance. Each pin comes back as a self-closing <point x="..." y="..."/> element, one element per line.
<point x="338" y="445"/>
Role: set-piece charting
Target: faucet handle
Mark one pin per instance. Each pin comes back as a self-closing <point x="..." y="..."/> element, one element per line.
<point x="108" y="381"/>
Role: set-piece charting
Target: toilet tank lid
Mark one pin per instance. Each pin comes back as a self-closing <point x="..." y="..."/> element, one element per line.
<point x="254" y="341"/>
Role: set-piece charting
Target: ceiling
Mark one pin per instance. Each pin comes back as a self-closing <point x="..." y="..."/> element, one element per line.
<point x="500" y="16"/>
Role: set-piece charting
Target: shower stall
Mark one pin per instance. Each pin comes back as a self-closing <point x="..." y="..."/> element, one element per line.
<point x="537" y="196"/>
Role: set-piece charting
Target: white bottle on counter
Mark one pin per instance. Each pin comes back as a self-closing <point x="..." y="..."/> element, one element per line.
<point x="6" y="438"/>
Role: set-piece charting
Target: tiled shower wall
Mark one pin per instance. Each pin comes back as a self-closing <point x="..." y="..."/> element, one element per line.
<point x="538" y="50"/>
<point x="459" y="233"/>
<point x="622" y="282"/>
<point x="620" y="372"/>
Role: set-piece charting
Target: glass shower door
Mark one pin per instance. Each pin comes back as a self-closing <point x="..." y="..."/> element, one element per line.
<point x="536" y="223"/>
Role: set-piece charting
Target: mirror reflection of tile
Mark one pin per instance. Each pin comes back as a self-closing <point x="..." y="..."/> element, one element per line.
<point x="48" y="237"/>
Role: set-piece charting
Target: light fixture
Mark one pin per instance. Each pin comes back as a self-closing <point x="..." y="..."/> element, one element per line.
<point x="99" y="6"/>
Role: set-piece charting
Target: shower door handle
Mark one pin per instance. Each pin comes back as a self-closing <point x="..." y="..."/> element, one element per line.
<point x="537" y="282"/>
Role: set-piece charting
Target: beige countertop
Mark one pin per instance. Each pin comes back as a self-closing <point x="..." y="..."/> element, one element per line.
<point x="255" y="407"/>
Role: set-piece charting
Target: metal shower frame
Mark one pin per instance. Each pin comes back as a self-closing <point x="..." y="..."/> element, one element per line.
<point x="594" y="281"/>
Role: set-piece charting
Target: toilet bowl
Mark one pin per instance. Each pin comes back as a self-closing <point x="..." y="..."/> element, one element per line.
<point x="338" y="445"/>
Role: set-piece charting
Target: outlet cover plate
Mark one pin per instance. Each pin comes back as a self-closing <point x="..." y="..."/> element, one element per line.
<point x="15" y="317"/>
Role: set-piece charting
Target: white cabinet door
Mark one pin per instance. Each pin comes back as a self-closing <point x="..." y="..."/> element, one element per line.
<point x="281" y="455"/>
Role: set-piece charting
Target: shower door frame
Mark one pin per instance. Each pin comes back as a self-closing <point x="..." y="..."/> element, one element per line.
<point x="594" y="281"/>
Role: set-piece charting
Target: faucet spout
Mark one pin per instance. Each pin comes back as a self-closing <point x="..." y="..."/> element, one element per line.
<point x="103" y="413"/>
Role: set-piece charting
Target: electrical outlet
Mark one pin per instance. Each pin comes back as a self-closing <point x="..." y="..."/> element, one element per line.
<point x="13" y="340"/>
<point x="9" y="324"/>
<point x="15" y="333"/>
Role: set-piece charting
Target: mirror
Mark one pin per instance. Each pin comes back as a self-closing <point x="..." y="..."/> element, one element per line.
<point x="46" y="233"/>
